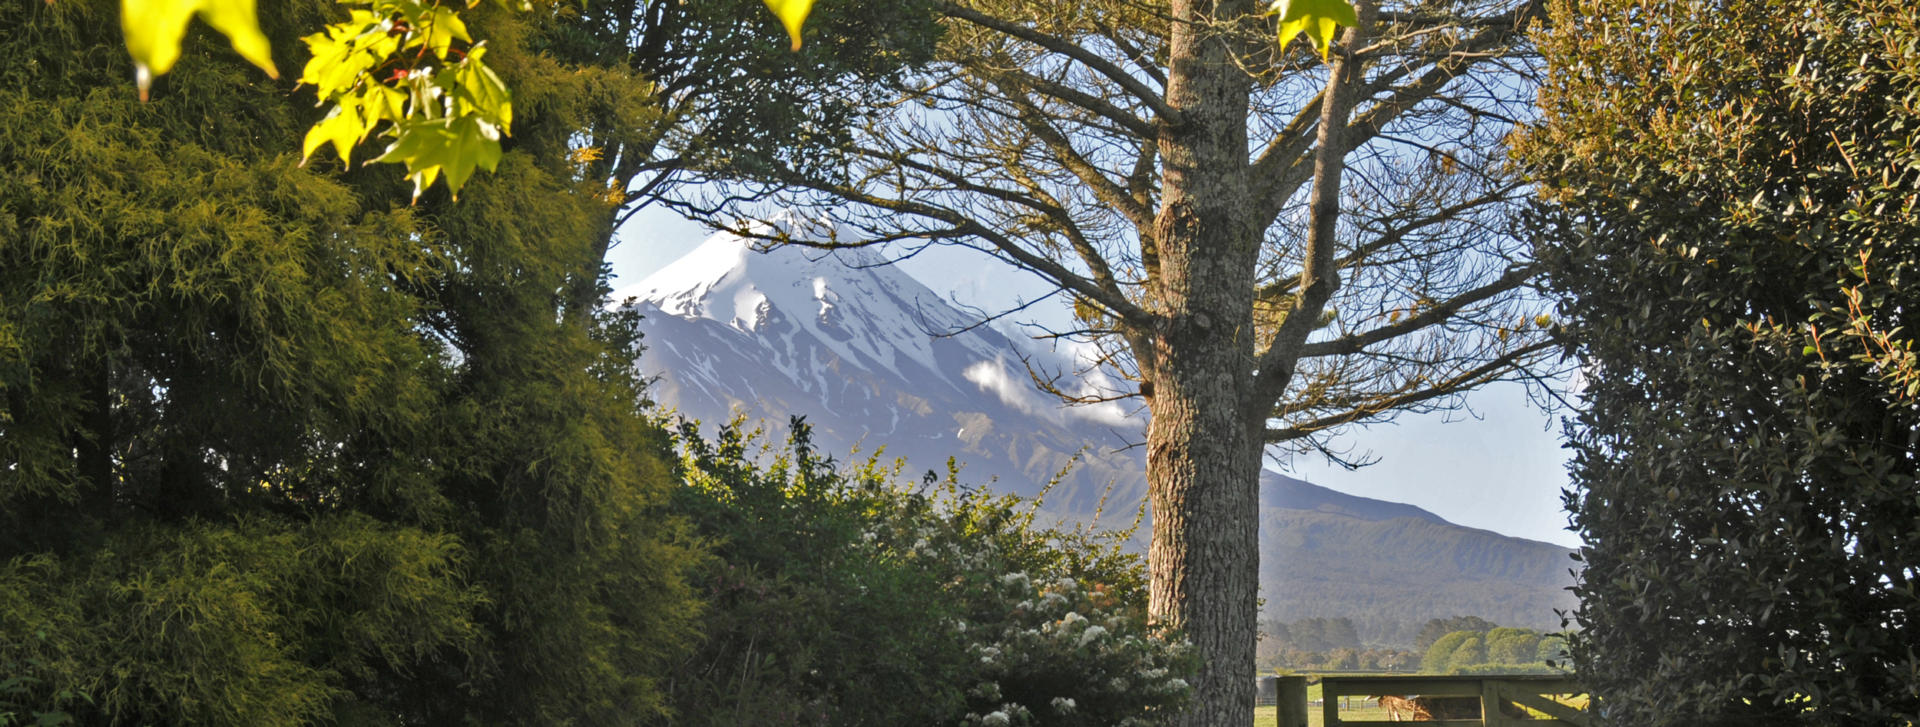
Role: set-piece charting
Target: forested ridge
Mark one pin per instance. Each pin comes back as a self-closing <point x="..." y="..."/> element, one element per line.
<point x="1391" y="576"/>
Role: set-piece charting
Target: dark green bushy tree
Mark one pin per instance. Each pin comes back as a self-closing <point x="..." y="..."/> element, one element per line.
<point x="278" y="449"/>
<point x="1733" y="239"/>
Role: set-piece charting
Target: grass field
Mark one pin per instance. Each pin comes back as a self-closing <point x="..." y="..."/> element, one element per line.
<point x="1362" y="708"/>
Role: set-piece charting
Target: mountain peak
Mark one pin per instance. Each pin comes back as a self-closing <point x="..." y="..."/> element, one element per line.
<point x="867" y="313"/>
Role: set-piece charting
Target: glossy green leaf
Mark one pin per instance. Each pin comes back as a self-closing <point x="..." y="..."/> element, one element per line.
<point x="792" y="14"/>
<point x="345" y="52"/>
<point x="153" y="29"/>
<point x="1317" y="18"/>
<point x="475" y="143"/>
<point x="240" y="22"/>
<point x="381" y="103"/>
<point x="417" y="144"/>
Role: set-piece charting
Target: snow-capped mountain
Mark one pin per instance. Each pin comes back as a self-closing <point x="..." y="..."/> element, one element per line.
<point x="874" y="359"/>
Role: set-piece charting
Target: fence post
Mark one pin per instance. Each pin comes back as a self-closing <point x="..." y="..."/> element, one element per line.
<point x="1291" y="703"/>
<point x="1491" y="698"/>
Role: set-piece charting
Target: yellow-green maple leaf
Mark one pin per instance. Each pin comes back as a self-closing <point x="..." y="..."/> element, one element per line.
<point x="455" y="146"/>
<point x="343" y="128"/>
<point x="1316" y="18"/>
<point x="792" y="14"/>
<point x="153" y="30"/>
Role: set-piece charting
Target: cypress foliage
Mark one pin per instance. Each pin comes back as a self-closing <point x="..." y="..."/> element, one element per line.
<point x="276" y="448"/>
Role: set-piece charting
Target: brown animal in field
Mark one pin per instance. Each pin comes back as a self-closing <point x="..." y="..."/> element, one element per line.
<point x="1402" y="709"/>
<point x="1428" y="709"/>
<point x="1439" y="708"/>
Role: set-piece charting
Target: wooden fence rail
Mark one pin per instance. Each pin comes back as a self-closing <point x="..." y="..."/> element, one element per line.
<point x="1480" y="701"/>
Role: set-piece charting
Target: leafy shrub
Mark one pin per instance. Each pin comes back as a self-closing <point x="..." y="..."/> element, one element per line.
<point x="21" y="701"/>
<point x="848" y="597"/>
<point x="1067" y="653"/>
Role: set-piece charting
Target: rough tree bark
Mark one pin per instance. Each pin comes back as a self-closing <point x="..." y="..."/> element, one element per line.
<point x="1203" y="451"/>
<point x="1210" y="409"/>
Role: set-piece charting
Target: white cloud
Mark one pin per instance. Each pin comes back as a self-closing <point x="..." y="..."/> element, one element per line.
<point x="992" y="376"/>
<point x="1017" y="391"/>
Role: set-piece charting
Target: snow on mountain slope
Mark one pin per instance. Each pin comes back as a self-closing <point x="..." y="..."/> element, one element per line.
<point x="860" y="310"/>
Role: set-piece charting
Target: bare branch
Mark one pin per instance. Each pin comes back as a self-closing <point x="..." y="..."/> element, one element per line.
<point x="1140" y="91"/>
<point x="962" y="225"/>
<point x="1435" y="315"/>
<point x="1485" y="373"/>
<point x="1319" y="278"/>
<point x="1096" y="180"/>
<point x="1089" y="102"/>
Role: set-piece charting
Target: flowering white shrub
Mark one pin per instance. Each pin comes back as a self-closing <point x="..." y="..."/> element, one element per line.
<point x="1070" y="653"/>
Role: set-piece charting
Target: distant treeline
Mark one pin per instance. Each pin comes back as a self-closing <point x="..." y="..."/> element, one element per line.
<point x="1459" y="644"/>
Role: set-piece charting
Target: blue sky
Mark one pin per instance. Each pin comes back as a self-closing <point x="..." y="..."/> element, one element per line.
<point x="1499" y="466"/>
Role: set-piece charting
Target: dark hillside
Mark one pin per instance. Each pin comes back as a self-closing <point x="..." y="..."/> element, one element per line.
<point x="1394" y="574"/>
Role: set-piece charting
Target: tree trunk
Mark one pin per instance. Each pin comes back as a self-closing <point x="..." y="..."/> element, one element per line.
<point x="1203" y="476"/>
<point x="1203" y="453"/>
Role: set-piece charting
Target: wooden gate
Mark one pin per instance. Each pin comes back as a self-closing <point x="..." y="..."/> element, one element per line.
<point x="1481" y="701"/>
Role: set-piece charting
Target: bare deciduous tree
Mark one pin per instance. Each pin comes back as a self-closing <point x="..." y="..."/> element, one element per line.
<point x="1272" y="246"/>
